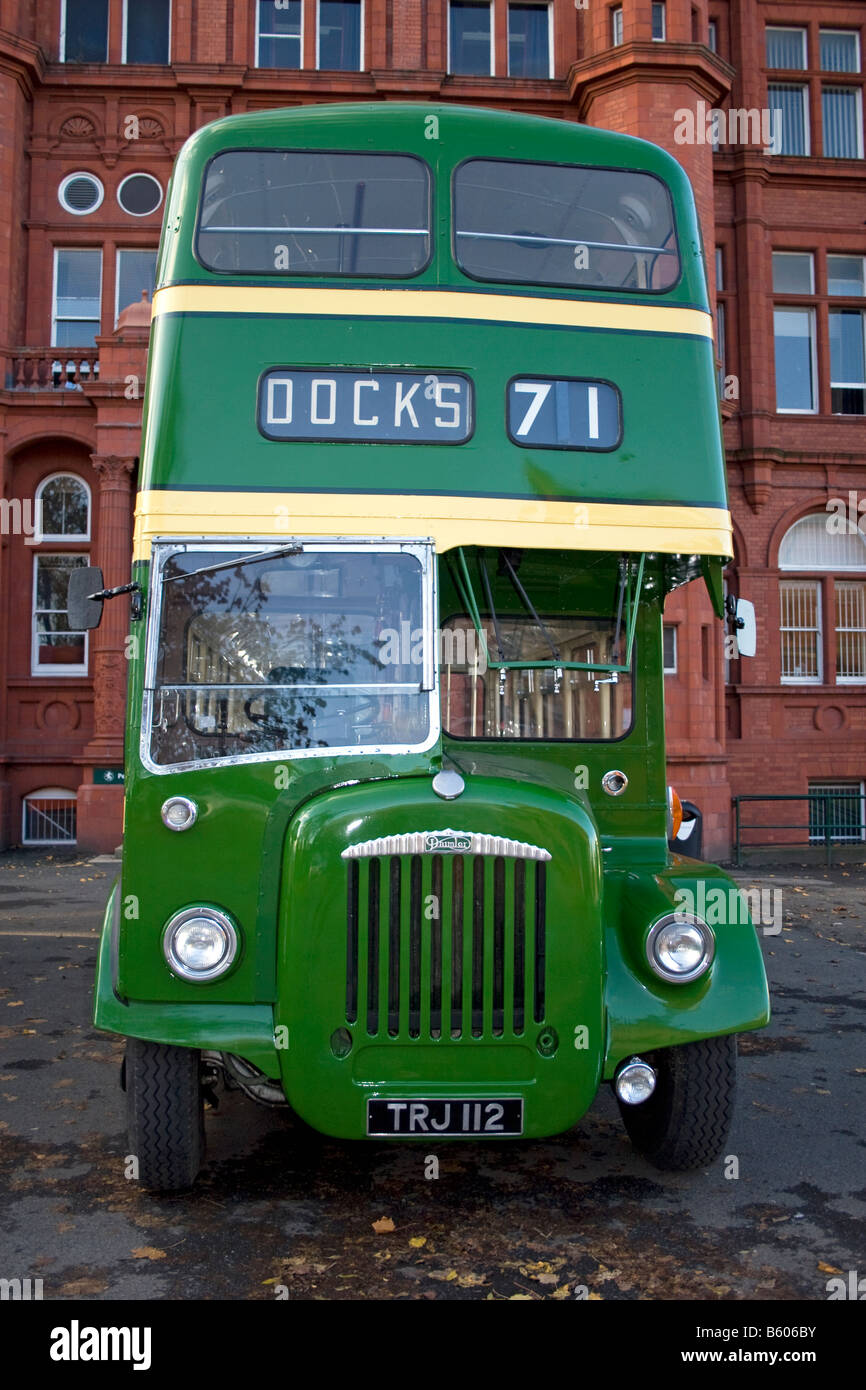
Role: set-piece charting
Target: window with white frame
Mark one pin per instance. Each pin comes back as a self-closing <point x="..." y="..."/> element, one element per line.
<point x="818" y="542"/>
<point x="842" y="119"/>
<point x="83" y="31"/>
<point x="136" y="272"/>
<point x="63" y="508"/>
<point x="793" y="272"/>
<point x="713" y="35"/>
<point x="75" y="319"/>
<point x="56" y="650"/>
<point x="850" y="630"/>
<point x="529" y="41"/>
<point x="279" y="34"/>
<point x="796" y="368"/>
<point x="49" y="817"/>
<point x="146" y="29"/>
<point x="470" y="39"/>
<point x="616" y="25"/>
<point x="800" y="626"/>
<point x="840" y="50"/>
<point x="792" y="124"/>
<point x="669" y="649"/>
<point x="339" y="43"/>
<point x="786" y="47"/>
<point x="846" y="278"/>
<point x="658" y="20"/>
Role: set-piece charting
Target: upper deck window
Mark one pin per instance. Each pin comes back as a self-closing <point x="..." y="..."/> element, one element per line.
<point x="555" y="224"/>
<point x="313" y="212"/>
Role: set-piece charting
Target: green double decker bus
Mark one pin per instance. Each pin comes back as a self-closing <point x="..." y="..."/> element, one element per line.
<point x="431" y="429"/>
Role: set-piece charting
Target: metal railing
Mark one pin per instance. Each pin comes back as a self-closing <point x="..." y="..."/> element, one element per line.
<point x="824" y="828"/>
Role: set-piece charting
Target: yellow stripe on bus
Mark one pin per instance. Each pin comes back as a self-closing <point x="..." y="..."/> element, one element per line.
<point x="449" y="521"/>
<point x="430" y="304"/>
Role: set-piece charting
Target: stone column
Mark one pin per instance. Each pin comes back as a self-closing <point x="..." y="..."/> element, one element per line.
<point x="100" y="806"/>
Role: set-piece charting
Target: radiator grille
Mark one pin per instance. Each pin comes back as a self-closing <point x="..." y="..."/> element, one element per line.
<point x="445" y="945"/>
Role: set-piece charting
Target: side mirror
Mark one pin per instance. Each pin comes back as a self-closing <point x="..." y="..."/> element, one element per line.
<point x="745" y="628"/>
<point x="84" y="612"/>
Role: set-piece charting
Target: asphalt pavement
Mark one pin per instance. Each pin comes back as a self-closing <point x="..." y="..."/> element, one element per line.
<point x="282" y="1212"/>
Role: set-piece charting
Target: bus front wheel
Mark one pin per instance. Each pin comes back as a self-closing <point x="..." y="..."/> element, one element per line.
<point x="166" y="1113"/>
<point x="685" y="1122"/>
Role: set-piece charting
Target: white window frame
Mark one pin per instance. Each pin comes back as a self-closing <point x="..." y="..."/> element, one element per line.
<point x="48" y="794"/>
<point x="818" y="630"/>
<point x="62" y="51"/>
<point x="300" y="67"/>
<point x="801" y="254"/>
<point x="616" y="23"/>
<point x="58" y="250"/>
<point x="491" y="73"/>
<point x="123" y="57"/>
<point x="848" y="256"/>
<point x="60" y="669"/>
<point x="67" y="180"/>
<point x="670" y="670"/>
<point x="803" y="88"/>
<point x="853" y="33"/>
<point x="787" y="29"/>
<point x="70" y="539"/>
<point x="813" y="344"/>
<point x="847" y="385"/>
<point x="139" y="174"/>
<point x="658" y="6"/>
<point x="847" y="680"/>
<point x="361" y="21"/>
<point x="525" y="4"/>
<point x="118" y="252"/>
<point x="858" y="95"/>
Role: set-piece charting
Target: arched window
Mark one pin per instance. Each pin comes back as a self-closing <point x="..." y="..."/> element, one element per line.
<point x="828" y="544"/>
<point x="49" y="817"/>
<point x="64" y="500"/>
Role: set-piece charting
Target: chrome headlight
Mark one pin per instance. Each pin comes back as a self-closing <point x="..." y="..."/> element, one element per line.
<point x="680" y="947"/>
<point x="200" y="943"/>
<point x="179" y="813"/>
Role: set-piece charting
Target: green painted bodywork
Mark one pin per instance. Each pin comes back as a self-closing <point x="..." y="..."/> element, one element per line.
<point x="203" y="370"/>
<point x="266" y="845"/>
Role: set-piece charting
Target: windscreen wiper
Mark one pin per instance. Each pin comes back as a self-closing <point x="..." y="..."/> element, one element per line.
<point x="235" y="564"/>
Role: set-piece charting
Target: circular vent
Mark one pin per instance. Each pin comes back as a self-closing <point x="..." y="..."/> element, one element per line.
<point x="139" y="194"/>
<point x="80" y="193"/>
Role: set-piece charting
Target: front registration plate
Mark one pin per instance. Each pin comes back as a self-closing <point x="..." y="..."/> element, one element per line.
<point x="387" y="1118"/>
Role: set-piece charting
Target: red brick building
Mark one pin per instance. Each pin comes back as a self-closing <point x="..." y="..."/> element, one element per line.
<point x="763" y="105"/>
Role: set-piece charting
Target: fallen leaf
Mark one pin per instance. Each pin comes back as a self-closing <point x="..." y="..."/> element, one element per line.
<point x="562" y="1292"/>
<point x="417" y="1241"/>
<point x="383" y="1225"/>
<point x="828" y="1269"/>
<point x="148" y="1252"/>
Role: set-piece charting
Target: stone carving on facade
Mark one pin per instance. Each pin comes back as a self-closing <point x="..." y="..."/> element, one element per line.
<point x="78" y="128"/>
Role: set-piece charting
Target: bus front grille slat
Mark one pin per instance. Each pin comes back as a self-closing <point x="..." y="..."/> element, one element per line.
<point x="446" y="945"/>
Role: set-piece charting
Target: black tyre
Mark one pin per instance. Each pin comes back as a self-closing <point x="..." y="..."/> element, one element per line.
<point x="685" y="1122"/>
<point x="166" y="1113"/>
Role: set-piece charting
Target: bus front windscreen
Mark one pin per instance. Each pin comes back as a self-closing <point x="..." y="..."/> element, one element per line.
<point x="564" y="224"/>
<point x="287" y="652"/>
